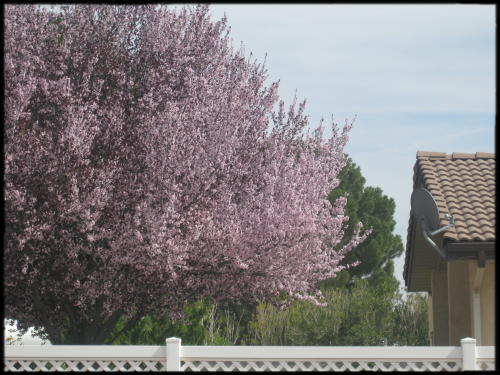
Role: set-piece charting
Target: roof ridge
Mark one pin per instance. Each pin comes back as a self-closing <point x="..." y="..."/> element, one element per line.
<point x="431" y="154"/>
<point x="455" y="155"/>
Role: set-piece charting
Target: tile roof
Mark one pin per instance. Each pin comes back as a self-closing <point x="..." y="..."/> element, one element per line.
<point x="462" y="185"/>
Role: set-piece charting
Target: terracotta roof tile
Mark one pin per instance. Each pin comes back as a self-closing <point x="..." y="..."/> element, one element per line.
<point x="485" y="155"/>
<point x="461" y="155"/>
<point x="430" y="154"/>
<point x="463" y="185"/>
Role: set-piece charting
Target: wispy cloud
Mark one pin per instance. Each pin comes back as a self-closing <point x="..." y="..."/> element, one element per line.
<point x="375" y="57"/>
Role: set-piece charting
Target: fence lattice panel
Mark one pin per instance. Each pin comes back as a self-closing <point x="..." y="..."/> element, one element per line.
<point x="291" y="365"/>
<point x="174" y="356"/>
<point x="85" y="365"/>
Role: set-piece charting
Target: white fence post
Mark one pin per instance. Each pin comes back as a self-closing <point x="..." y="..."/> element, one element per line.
<point x="468" y="353"/>
<point x="173" y="354"/>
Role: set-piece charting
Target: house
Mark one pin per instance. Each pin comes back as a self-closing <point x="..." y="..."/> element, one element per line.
<point x="460" y="277"/>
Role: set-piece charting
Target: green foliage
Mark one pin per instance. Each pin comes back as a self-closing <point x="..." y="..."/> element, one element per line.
<point x="374" y="209"/>
<point x="412" y="315"/>
<point x="368" y="315"/>
<point x="270" y="326"/>
<point x="154" y="330"/>
<point x="364" y="315"/>
<point x="203" y="323"/>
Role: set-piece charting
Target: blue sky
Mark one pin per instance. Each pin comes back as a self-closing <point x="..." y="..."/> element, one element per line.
<point x="417" y="77"/>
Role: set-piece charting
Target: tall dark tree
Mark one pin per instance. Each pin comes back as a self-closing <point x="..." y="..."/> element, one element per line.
<point x="376" y="210"/>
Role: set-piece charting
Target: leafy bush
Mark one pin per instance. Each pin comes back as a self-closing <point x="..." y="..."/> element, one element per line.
<point x="362" y="315"/>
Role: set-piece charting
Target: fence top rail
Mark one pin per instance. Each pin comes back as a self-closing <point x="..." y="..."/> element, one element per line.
<point x="228" y="352"/>
<point x="189" y="352"/>
<point x="86" y="351"/>
<point x="317" y="352"/>
<point x="485" y="352"/>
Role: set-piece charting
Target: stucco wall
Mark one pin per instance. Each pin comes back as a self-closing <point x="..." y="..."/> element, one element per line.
<point x="486" y="296"/>
<point x="439" y="290"/>
<point x="488" y="305"/>
<point x="459" y="310"/>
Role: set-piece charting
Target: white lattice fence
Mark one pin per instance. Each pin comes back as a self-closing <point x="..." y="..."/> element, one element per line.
<point x="84" y="365"/>
<point x="272" y="358"/>
<point x="486" y="365"/>
<point x="173" y="357"/>
<point x="342" y="365"/>
<point x="85" y="358"/>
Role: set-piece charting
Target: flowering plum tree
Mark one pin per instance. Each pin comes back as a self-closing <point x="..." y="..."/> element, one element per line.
<point x="147" y="165"/>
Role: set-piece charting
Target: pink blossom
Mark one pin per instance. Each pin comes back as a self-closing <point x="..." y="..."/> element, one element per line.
<point x="145" y="167"/>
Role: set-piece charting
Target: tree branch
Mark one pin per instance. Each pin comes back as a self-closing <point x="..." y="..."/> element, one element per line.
<point x="54" y="335"/>
<point x="108" y="327"/>
<point x="127" y="326"/>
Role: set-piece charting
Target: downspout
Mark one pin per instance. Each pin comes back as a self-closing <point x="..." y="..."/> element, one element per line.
<point x="476" y="303"/>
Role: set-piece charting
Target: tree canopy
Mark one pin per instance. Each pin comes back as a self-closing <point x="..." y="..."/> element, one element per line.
<point x="146" y="166"/>
<point x="364" y="306"/>
<point x="375" y="210"/>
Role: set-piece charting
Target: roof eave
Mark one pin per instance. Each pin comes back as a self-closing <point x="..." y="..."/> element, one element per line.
<point x="470" y="250"/>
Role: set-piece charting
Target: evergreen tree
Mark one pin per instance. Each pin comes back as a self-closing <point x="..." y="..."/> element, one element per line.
<point x="375" y="210"/>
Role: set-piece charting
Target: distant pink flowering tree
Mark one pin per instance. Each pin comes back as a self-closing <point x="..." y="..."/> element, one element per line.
<point x="145" y="166"/>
